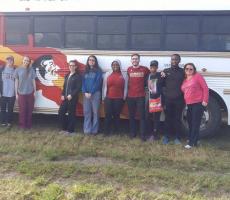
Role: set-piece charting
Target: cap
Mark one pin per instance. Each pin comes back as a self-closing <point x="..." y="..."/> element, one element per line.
<point x="154" y="63"/>
<point x="9" y="57"/>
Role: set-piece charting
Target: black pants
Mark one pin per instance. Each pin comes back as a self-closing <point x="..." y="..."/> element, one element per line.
<point x="7" y="107"/>
<point x="194" y="115"/>
<point x="153" y="122"/>
<point x="113" y="109"/>
<point x="173" y="114"/>
<point x="136" y="104"/>
<point x="68" y="121"/>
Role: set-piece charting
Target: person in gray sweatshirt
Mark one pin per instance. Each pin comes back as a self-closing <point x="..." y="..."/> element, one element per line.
<point x="7" y="91"/>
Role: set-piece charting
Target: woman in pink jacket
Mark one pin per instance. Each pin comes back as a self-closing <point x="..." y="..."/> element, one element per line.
<point x="196" y="95"/>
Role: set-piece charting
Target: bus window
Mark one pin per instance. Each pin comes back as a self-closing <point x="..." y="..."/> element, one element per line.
<point x="182" y="33"/>
<point x="182" y="42"/>
<point x="216" y="33"/>
<point x="145" y="33"/>
<point x="79" y="32"/>
<point x="17" y="30"/>
<point x="47" y="31"/>
<point x="112" y="33"/>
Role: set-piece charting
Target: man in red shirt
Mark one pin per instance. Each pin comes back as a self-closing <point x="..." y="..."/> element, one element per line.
<point x="137" y="76"/>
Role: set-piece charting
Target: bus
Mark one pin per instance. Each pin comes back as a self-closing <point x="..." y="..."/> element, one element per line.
<point x="53" y="35"/>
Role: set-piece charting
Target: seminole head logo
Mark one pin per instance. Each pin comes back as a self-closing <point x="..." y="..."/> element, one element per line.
<point x="46" y="70"/>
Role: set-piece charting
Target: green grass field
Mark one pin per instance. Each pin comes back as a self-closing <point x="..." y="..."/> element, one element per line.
<point x="42" y="165"/>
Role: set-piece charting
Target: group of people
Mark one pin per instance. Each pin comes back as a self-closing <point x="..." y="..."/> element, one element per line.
<point x="146" y="91"/>
<point x="17" y="84"/>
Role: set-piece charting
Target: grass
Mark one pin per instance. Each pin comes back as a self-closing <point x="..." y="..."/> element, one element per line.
<point x="42" y="165"/>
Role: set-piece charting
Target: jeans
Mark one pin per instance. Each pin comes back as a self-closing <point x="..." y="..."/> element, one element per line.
<point x="136" y="104"/>
<point x="112" y="113"/>
<point x="194" y="115"/>
<point x="68" y="121"/>
<point x="26" y="106"/>
<point x="7" y="107"/>
<point x="91" y="113"/>
<point x="173" y="114"/>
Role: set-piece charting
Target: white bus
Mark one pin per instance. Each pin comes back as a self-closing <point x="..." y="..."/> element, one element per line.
<point x="53" y="32"/>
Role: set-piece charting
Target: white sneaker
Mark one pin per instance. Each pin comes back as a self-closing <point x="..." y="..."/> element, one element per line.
<point x="187" y="146"/>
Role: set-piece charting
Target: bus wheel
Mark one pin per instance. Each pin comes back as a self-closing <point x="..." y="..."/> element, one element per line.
<point x="211" y="119"/>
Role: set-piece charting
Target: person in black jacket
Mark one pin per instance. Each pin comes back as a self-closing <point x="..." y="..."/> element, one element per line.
<point x="71" y="89"/>
<point x="173" y="97"/>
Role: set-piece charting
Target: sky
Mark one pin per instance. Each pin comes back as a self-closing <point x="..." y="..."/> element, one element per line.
<point x="102" y="5"/>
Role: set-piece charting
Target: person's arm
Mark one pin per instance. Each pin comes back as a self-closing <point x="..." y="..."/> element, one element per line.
<point x="34" y="86"/>
<point x="104" y="85"/>
<point x="126" y="85"/>
<point x="16" y="87"/>
<point x="205" y="89"/>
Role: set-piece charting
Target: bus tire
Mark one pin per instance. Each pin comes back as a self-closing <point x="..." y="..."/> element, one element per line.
<point x="211" y="119"/>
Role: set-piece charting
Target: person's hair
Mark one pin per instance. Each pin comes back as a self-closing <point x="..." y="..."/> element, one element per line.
<point x="136" y="54"/>
<point x="177" y="55"/>
<point x="28" y="66"/>
<point x="96" y="66"/>
<point x="193" y="66"/>
<point x="76" y="64"/>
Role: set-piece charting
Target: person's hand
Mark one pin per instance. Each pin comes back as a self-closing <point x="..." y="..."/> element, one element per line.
<point x="87" y="95"/>
<point x="69" y="97"/>
<point x="62" y="98"/>
<point x="204" y="103"/>
<point x="163" y="75"/>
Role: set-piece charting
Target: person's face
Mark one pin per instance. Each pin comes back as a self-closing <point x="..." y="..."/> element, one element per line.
<point x="135" y="61"/>
<point x="26" y="61"/>
<point x="116" y="66"/>
<point x="91" y="61"/>
<point x="72" y="67"/>
<point x="153" y="69"/>
<point x="189" y="70"/>
<point x="175" y="60"/>
<point x="9" y="62"/>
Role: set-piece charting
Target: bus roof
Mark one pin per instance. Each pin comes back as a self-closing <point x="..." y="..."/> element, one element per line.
<point x="115" y="5"/>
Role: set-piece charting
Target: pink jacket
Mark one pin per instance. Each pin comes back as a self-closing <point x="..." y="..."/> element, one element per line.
<point x="195" y="89"/>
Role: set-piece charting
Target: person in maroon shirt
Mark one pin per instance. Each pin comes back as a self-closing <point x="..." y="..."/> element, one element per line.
<point x="137" y="76"/>
<point x="114" y="93"/>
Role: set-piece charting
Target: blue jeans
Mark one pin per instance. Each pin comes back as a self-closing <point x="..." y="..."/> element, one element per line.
<point x="91" y="113"/>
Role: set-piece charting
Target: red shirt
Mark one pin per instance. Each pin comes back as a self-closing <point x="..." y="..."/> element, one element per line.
<point x="115" y="86"/>
<point x="136" y="82"/>
<point x="195" y="89"/>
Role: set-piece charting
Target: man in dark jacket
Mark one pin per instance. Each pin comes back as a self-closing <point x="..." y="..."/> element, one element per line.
<point x="174" y="102"/>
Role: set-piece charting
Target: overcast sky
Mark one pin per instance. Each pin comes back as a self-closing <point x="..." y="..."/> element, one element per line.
<point x="88" y="5"/>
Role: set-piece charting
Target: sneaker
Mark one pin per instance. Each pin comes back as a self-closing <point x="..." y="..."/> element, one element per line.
<point x="165" y="140"/>
<point x="3" y="124"/>
<point x="9" y="124"/>
<point x="177" y="141"/>
<point x="151" y="138"/>
<point x="62" y="132"/>
<point x="187" y="146"/>
<point x="71" y="133"/>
